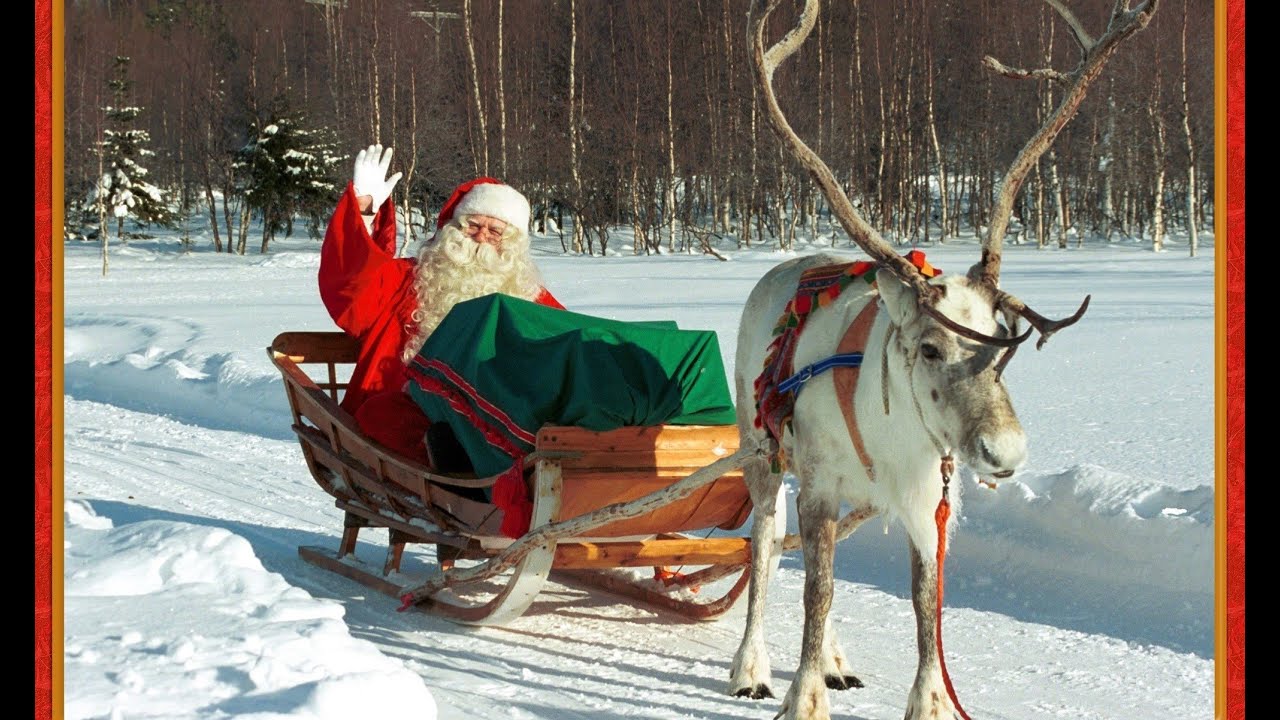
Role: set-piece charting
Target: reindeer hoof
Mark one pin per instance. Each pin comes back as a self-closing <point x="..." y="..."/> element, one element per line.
<point x="758" y="692"/>
<point x="846" y="682"/>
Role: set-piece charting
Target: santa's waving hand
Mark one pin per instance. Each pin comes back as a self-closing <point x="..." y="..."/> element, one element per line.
<point x="370" y="179"/>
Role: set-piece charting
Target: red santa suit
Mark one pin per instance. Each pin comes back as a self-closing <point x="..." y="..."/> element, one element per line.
<point x="369" y="293"/>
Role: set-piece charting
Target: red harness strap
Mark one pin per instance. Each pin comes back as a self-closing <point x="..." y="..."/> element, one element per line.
<point x="846" y="379"/>
<point x="940" y="517"/>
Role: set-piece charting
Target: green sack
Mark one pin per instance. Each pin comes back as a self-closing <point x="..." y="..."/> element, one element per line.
<point x="499" y="368"/>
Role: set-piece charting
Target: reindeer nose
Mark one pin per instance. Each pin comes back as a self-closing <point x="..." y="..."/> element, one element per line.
<point x="1004" y="452"/>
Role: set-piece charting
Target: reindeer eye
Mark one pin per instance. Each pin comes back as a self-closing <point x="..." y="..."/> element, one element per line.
<point x="930" y="351"/>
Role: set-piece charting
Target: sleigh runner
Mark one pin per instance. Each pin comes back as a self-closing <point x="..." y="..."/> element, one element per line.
<point x="625" y="498"/>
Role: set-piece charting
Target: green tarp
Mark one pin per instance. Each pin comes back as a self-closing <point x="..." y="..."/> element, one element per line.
<point x="498" y="368"/>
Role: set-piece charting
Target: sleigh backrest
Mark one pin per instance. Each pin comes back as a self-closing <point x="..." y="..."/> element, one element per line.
<point x="332" y="349"/>
<point x="346" y="463"/>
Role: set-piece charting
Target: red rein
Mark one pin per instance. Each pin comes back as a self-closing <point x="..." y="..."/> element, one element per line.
<point x="940" y="517"/>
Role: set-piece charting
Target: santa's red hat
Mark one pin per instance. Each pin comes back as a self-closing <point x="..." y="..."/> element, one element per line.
<point x="487" y="196"/>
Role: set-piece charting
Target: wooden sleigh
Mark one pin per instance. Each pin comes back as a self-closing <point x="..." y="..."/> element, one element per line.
<point x="633" y="497"/>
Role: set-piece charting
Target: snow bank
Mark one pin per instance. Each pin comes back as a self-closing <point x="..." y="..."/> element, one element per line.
<point x="173" y="620"/>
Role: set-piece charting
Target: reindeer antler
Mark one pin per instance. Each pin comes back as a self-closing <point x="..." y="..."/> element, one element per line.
<point x="763" y="64"/>
<point x="1095" y="53"/>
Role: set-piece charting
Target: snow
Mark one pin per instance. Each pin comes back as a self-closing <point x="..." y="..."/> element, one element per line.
<point x="1082" y="587"/>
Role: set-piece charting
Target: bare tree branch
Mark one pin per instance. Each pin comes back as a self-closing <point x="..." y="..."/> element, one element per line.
<point x="1081" y="35"/>
<point x="1020" y="74"/>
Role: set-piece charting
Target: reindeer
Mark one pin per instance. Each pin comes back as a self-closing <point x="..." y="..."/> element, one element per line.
<point x="882" y="437"/>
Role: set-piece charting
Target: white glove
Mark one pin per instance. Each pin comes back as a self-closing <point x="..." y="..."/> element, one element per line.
<point x="370" y="175"/>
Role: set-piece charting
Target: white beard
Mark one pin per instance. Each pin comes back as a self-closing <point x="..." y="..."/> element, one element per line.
<point x="453" y="268"/>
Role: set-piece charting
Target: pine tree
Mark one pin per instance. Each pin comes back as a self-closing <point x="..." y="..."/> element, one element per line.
<point x="287" y="171"/>
<point x="123" y="190"/>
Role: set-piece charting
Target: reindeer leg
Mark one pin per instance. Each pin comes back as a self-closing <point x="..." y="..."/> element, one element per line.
<point x="928" y="698"/>
<point x="751" y="673"/>
<point x="835" y="667"/>
<point x="807" y="697"/>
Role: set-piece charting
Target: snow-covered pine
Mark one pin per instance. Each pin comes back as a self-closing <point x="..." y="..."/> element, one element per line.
<point x="286" y="170"/>
<point x="123" y="186"/>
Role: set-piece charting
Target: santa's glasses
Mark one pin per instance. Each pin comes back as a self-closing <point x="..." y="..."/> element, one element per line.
<point x="482" y="231"/>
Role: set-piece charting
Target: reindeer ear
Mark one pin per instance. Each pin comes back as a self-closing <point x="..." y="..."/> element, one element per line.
<point x="899" y="297"/>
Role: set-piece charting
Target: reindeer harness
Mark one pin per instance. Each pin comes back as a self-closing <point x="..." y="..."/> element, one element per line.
<point x="777" y="386"/>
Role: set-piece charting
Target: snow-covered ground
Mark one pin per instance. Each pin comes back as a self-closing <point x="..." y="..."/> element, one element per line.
<point x="1081" y="588"/>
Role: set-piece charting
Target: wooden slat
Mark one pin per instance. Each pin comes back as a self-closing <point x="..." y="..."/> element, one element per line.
<point x="638" y="476"/>
<point x="675" y="459"/>
<point x="420" y="534"/>
<point x="691" y="609"/>
<point x="724" y="503"/>
<point x="325" y="559"/>
<point x="476" y="518"/>
<point x="671" y="437"/>
<point x="651" y="553"/>
<point x="317" y="347"/>
<point x="354" y="473"/>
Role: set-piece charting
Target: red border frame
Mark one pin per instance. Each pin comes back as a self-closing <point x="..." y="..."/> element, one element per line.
<point x="1231" y="650"/>
<point x="44" y="680"/>
<point x="1231" y="662"/>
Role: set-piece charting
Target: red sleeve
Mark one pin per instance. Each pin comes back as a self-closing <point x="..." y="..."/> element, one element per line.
<point x="352" y="282"/>
<point x="546" y="298"/>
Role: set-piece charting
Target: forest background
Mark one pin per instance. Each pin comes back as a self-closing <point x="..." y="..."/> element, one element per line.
<point x="635" y="114"/>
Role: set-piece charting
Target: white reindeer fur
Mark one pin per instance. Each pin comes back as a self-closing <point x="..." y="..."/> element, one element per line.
<point x="907" y="484"/>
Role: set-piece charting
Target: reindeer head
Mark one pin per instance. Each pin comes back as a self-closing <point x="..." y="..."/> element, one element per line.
<point x="953" y="348"/>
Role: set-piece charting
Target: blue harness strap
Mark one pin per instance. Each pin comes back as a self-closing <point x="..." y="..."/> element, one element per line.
<point x="851" y="360"/>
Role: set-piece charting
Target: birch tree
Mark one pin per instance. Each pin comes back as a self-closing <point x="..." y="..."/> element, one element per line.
<point x="481" y="134"/>
<point x="1193" y="236"/>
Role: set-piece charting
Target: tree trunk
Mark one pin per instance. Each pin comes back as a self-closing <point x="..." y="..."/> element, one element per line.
<point x="637" y="222"/>
<point x="881" y="184"/>
<point x="375" y="88"/>
<point x="938" y="159"/>
<point x="1106" y="166"/>
<point x="574" y="160"/>
<point x="1158" y="156"/>
<point x="103" y="235"/>
<point x="266" y="231"/>
<point x="1157" y="204"/>
<point x="483" y="132"/>
<point x="412" y="166"/>
<point x="502" y="100"/>
<point x="1193" y="236"/>
<point x="1055" y="189"/>
<point x="244" y="228"/>
<point x="669" y="196"/>
<point x="1040" y="230"/>
<point x="213" y="216"/>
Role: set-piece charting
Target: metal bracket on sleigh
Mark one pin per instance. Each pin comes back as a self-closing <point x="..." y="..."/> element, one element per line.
<point x="601" y="501"/>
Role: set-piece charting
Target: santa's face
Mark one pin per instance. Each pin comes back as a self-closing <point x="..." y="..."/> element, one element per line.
<point x="486" y="230"/>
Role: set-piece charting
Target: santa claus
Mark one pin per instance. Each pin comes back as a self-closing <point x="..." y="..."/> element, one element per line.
<point x="390" y="305"/>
